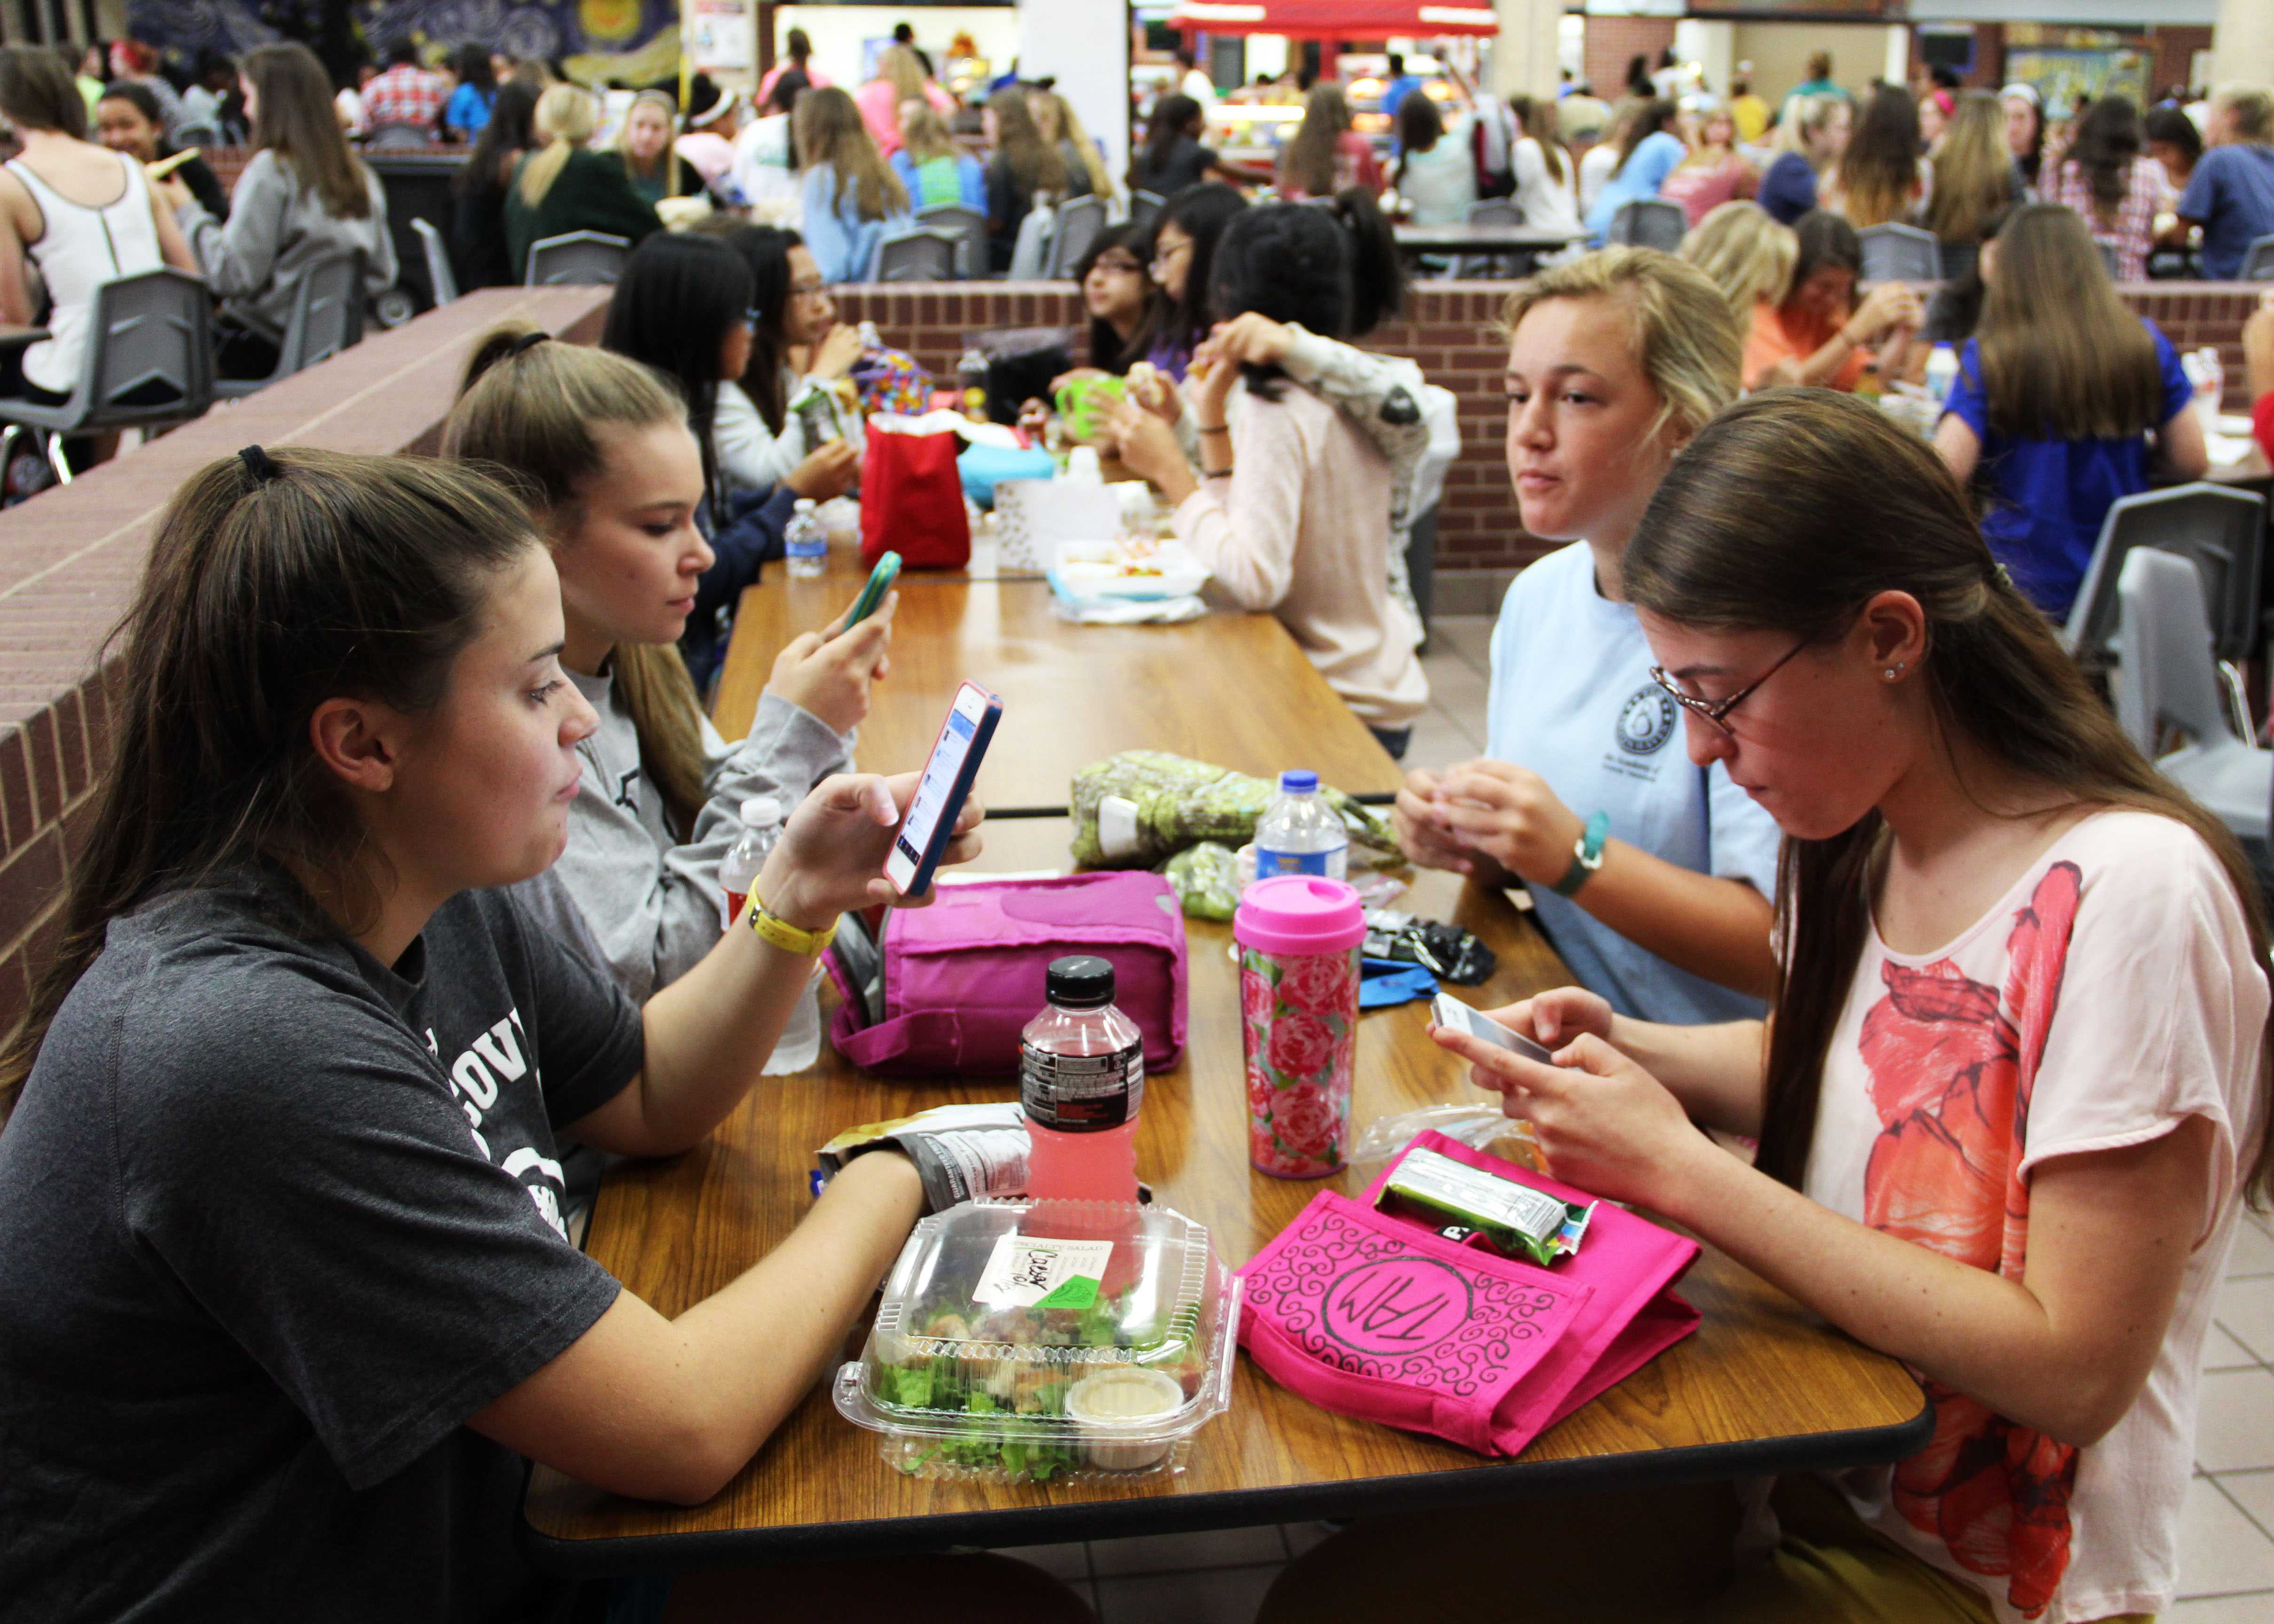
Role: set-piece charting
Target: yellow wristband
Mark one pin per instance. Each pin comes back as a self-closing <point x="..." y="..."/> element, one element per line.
<point x="773" y="928"/>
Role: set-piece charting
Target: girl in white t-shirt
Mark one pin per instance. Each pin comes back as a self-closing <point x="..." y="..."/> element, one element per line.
<point x="2016" y="1085"/>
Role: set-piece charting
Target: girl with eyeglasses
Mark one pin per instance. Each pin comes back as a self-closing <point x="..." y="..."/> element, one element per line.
<point x="1653" y="876"/>
<point x="2012" y="1101"/>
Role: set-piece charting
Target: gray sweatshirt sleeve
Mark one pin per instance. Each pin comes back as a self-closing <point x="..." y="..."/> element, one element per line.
<point x="655" y="911"/>
<point x="240" y="256"/>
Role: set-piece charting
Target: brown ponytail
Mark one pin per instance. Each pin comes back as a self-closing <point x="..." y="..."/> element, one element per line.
<point x="1788" y="513"/>
<point x="527" y="406"/>
<point x="234" y="639"/>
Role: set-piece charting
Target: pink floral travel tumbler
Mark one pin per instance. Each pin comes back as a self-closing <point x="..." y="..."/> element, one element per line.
<point x="1298" y="937"/>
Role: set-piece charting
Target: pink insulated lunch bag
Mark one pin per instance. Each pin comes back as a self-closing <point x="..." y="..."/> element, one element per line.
<point x="964" y="976"/>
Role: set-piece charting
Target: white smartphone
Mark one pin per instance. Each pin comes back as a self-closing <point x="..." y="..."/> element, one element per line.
<point x="1448" y="1011"/>
<point x="942" y="791"/>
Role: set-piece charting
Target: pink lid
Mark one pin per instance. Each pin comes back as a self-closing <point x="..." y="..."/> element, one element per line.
<point x="1299" y="914"/>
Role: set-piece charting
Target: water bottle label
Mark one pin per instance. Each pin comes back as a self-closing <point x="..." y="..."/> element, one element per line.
<point x="1268" y="863"/>
<point x="1082" y="1094"/>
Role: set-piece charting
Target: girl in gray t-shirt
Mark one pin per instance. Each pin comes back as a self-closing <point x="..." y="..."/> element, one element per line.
<point x="284" y="1294"/>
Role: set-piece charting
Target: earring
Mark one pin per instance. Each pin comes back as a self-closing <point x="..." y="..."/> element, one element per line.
<point x="1894" y="671"/>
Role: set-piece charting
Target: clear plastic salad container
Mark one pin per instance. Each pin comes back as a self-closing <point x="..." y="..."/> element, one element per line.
<point x="1040" y="1340"/>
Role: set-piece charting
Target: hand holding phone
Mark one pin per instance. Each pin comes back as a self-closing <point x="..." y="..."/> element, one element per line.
<point x="827" y="674"/>
<point x="872" y="593"/>
<point x="1448" y="1011"/>
<point x="945" y="784"/>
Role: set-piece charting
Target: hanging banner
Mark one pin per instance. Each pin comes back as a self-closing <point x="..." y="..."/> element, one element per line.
<point x="634" y="40"/>
<point x="1334" y="19"/>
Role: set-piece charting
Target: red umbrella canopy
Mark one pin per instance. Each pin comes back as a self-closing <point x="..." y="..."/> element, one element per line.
<point x="1334" y="19"/>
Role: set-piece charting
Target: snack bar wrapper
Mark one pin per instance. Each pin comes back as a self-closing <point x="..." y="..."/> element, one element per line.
<point x="965" y="1152"/>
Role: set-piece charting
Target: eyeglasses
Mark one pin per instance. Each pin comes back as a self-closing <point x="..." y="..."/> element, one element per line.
<point x="1122" y="267"/>
<point x="1717" y="710"/>
<point x="1163" y="252"/>
<point x="809" y="290"/>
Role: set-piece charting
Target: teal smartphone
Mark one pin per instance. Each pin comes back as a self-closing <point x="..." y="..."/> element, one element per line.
<point x="880" y="582"/>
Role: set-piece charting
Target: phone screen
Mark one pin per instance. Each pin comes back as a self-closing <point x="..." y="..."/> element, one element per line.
<point x="937" y="787"/>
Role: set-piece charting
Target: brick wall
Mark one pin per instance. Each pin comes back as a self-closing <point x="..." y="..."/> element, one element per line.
<point x="1448" y="333"/>
<point x="70" y="559"/>
<point x="1613" y="40"/>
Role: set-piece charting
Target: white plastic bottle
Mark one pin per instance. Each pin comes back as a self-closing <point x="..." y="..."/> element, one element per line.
<point x="1299" y="833"/>
<point x="1941" y="372"/>
<point x="805" y="543"/>
<point x="762" y="826"/>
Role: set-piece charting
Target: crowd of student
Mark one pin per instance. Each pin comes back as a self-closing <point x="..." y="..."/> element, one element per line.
<point x="1781" y="728"/>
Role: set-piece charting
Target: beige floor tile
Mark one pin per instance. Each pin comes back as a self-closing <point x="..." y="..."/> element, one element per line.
<point x="2245" y="1308"/>
<point x="2253" y="1254"/>
<point x="1468" y="635"/>
<point x="1159" y="1554"/>
<point x="2221" y="1549"/>
<point x="1460" y="693"/>
<point x="2236" y="1430"/>
<point x="2221" y="1351"/>
<point x="1437" y="743"/>
<point x="2252" y="1609"/>
<point x="2254" y="1491"/>
<point x="1069" y="1562"/>
<point x="1214" y="1595"/>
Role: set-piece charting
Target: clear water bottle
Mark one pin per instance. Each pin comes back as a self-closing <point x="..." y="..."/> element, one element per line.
<point x="762" y="827"/>
<point x="806" y="544"/>
<point x="1941" y="372"/>
<point x="1082" y="1081"/>
<point x="1300" y="833"/>
<point x="971" y="380"/>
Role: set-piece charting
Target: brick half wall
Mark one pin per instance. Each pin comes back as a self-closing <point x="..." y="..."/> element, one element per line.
<point x="1449" y="331"/>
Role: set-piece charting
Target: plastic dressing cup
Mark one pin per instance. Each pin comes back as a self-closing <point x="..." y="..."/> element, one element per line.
<point x="1115" y="1410"/>
<point x="1298" y="937"/>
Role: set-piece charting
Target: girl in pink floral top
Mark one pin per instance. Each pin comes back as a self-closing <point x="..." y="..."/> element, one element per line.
<point x="2013" y="1088"/>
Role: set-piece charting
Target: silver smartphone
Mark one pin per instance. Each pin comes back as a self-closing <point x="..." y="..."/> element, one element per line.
<point x="1448" y="1011"/>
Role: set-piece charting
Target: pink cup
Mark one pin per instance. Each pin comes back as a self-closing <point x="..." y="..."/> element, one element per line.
<point x="1298" y="937"/>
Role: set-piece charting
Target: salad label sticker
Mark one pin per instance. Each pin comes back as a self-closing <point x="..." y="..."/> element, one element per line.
<point x="1027" y="1271"/>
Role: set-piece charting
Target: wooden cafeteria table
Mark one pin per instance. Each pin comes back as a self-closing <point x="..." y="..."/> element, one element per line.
<point x="1763" y="1387"/>
<point x="1233" y="690"/>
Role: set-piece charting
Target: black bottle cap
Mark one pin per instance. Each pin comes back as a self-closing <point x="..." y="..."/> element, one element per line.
<point x="1081" y="981"/>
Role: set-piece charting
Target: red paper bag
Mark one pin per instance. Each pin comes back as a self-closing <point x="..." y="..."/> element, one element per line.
<point x="912" y="500"/>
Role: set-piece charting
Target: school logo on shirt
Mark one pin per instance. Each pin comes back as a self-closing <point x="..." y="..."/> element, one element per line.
<point x="495" y="1058"/>
<point x="627" y="791"/>
<point x="1646" y="721"/>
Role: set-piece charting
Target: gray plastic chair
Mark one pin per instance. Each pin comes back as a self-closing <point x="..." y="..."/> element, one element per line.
<point x="1649" y="222"/>
<point x="1489" y="212"/>
<point x="2258" y="259"/>
<point x="578" y="258"/>
<point x="2215" y="527"/>
<point x="1145" y="207"/>
<point x="2169" y="679"/>
<point x="1081" y="220"/>
<point x="151" y="334"/>
<point x="919" y="255"/>
<point x="327" y="318"/>
<point x="1030" y="254"/>
<point x="968" y="227"/>
<point x="1900" y="253"/>
<point x="440" y="276"/>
